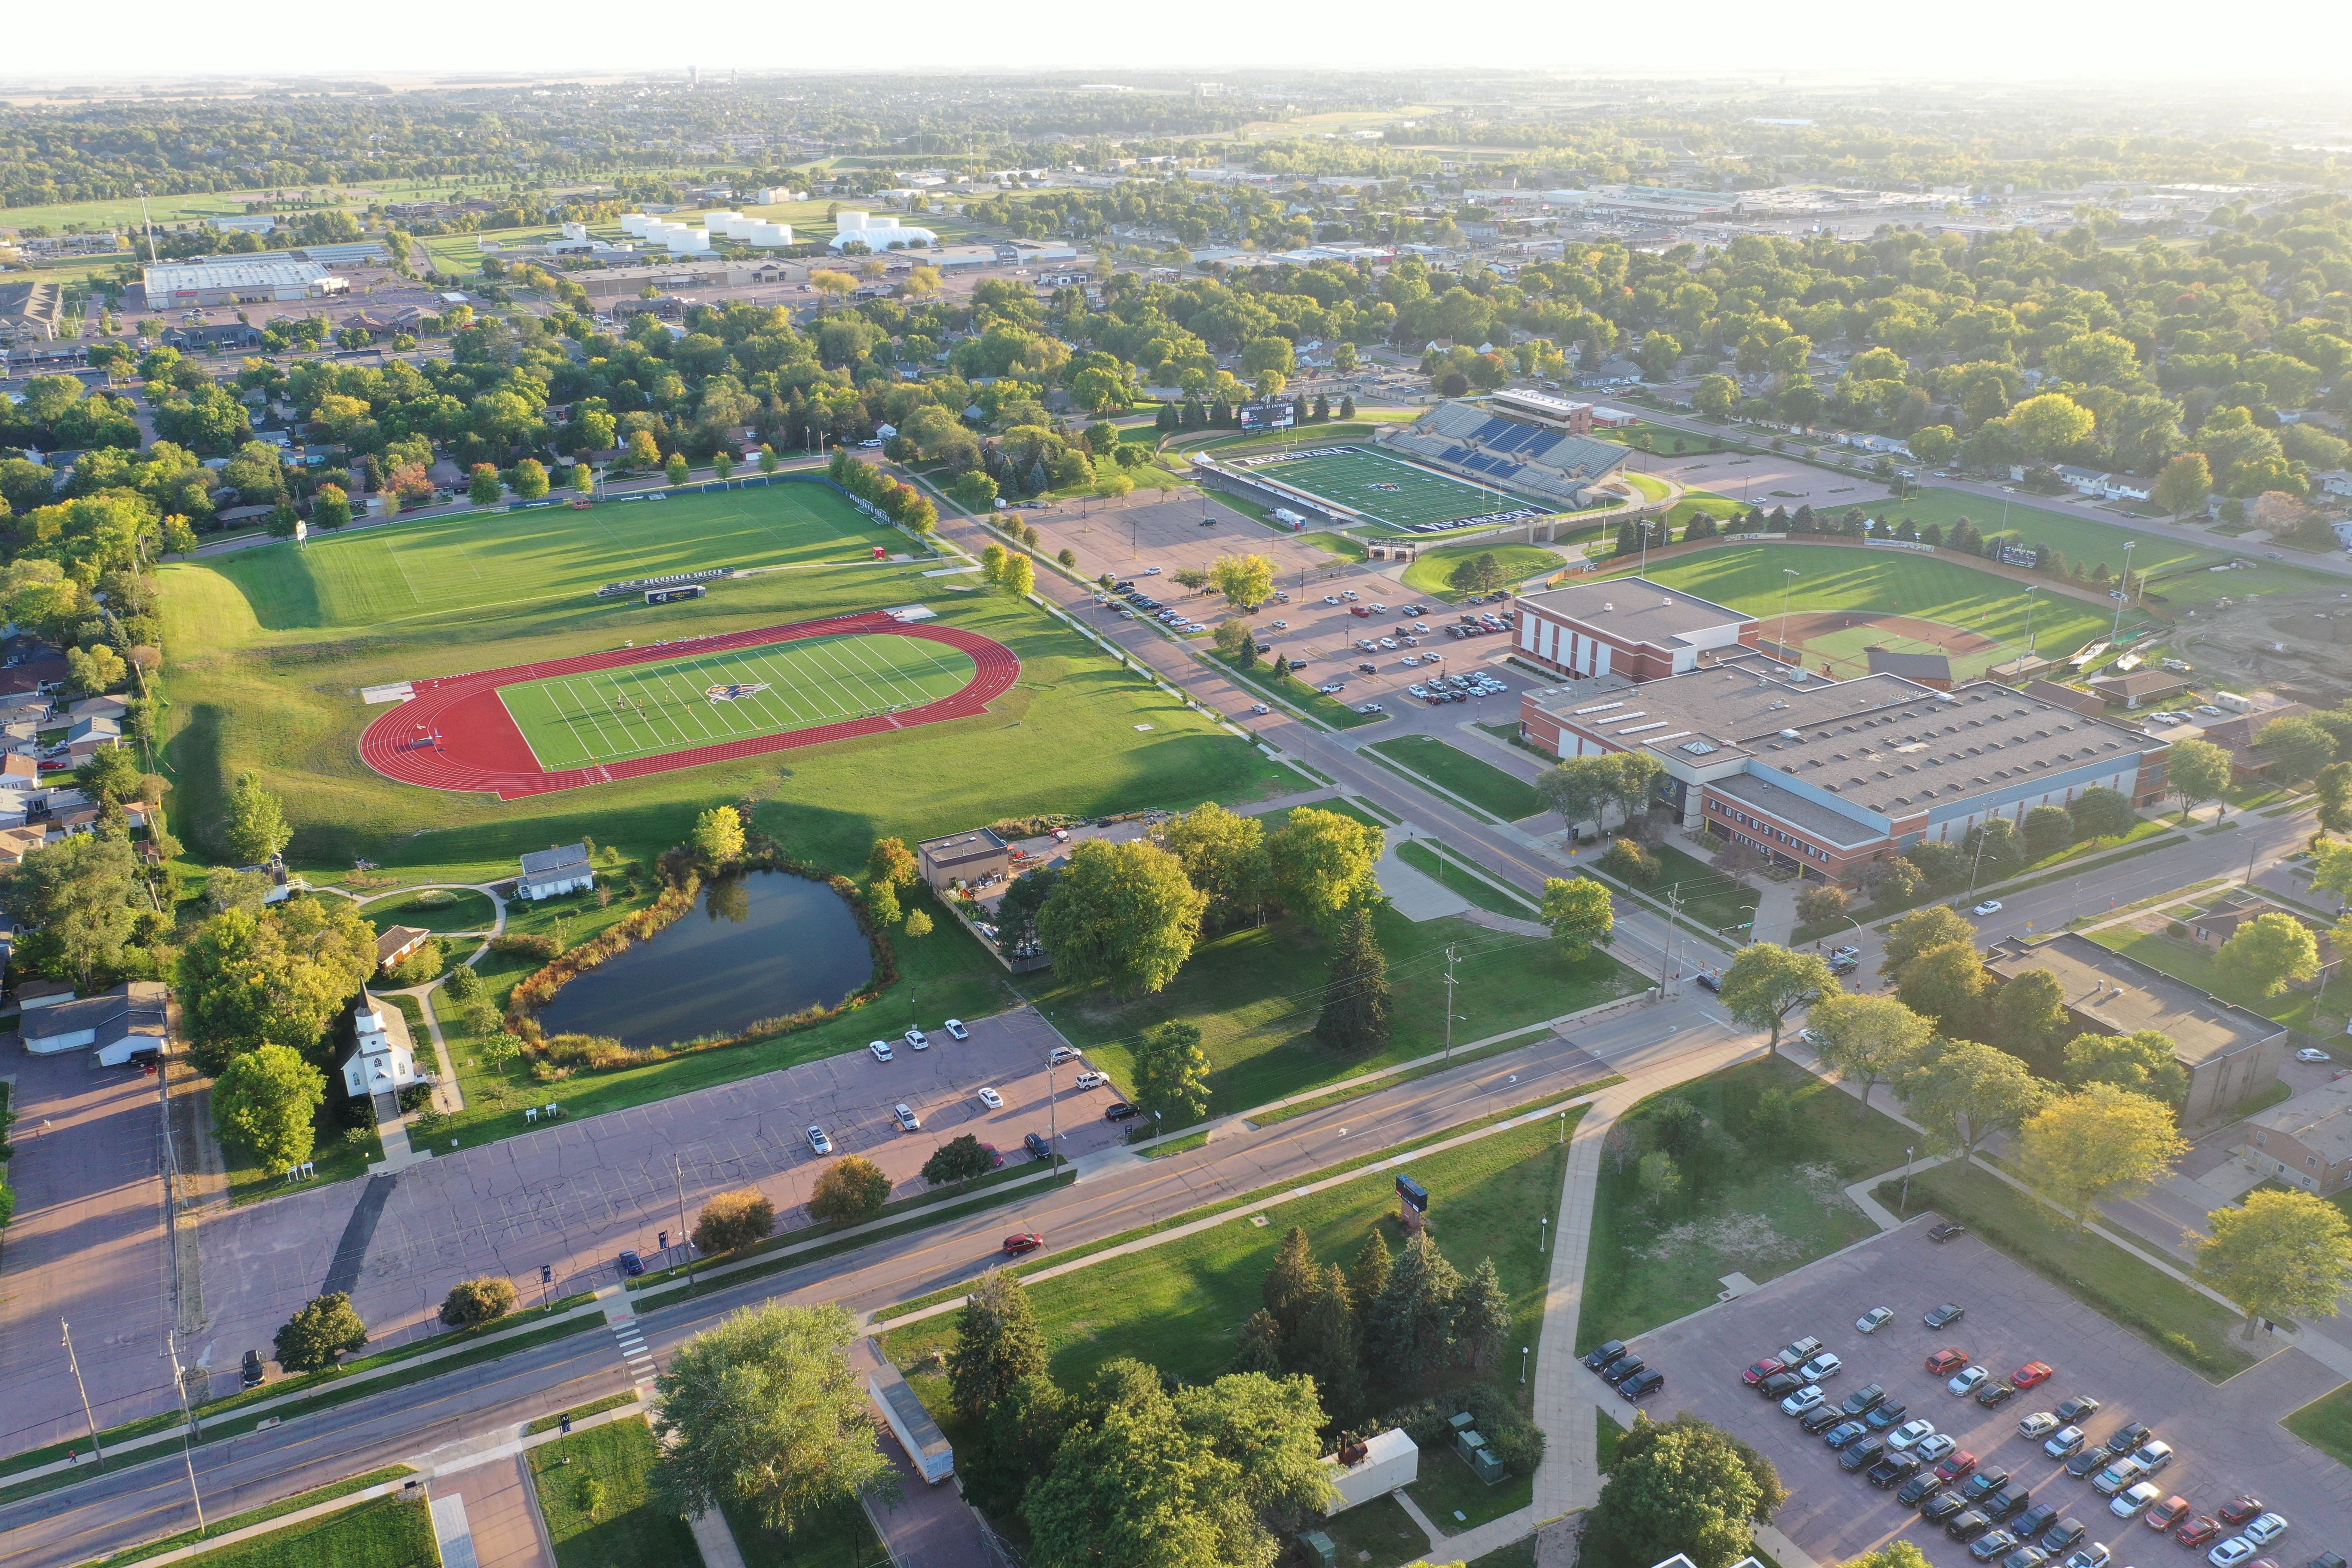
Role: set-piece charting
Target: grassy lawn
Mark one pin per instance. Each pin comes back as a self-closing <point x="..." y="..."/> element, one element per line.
<point x="460" y="911"/>
<point x="1379" y="1533"/>
<point x="2326" y="1425"/>
<point x="1747" y="1205"/>
<point x="2082" y="537"/>
<point x="381" y="1532"/>
<point x="1606" y="1436"/>
<point x="1708" y="897"/>
<point x="1694" y="502"/>
<point x="2191" y="1329"/>
<point x="1658" y="439"/>
<point x="1651" y="487"/>
<point x="592" y="1490"/>
<point x="1344" y="546"/>
<point x="1255" y="994"/>
<point x="2195" y="963"/>
<point x="1479" y="781"/>
<point x="841" y="1537"/>
<point x="252" y="1517"/>
<point x="1432" y="570"/>
<point x="1486" y="895"/>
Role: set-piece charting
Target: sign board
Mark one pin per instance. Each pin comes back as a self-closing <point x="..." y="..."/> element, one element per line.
<point x="2020" y="555"/>
<point x="1414" y="1193"/>
<point x="1279" y="415"/>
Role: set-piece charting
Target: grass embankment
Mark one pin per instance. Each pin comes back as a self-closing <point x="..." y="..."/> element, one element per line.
<point x="591" y="1492"/>
<point x="1255" y="995"/>
<point x="252" y="1517"/>
<point x="2192" y="1328"/>
<point x="1481" y="783"/>
<point x="1431" y="572"/>
<point x="1488" y="896"/>
<point x="1181" y="1306"/>
<point x="1752" y="1200"/>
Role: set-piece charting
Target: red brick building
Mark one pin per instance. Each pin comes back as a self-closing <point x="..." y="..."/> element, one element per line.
<point x="1626" y="627"/>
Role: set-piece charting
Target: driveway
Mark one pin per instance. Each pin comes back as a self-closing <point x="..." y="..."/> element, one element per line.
<point x="2228" y="1438"/>
<point x="88" y="1246"/>
<point x="571" y="1195"/>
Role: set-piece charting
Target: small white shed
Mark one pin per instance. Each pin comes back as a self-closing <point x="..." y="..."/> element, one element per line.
<point x="1390" y="1460"/>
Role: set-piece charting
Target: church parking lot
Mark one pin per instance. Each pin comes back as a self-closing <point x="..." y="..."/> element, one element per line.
<point x="2228" y="1438"/>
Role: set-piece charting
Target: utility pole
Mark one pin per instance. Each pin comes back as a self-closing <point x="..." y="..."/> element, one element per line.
<point x="1449" y="1001"/>
<point x="188" y="1438"/>
<point x="1053" y="1115"/>
<point x="75" y="1362"/>
<point x="678" y="1175"/>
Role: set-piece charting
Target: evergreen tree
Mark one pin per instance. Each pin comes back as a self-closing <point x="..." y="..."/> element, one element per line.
<point x="1965" y="538"/>
<point x="1040" y="478"/>
<point x="1193" y="417"/>
<point x="1325" y="1347"/>
<point x="1261" y="1346"/>
<point x="1482" y="1316"/>
<point x="1356" y="1004"/>
<point x="1804" y="521"/>
<point x="1322" y="405"/>
<point x="1348" y="406"/>
<point x="1411" y="1327"/>
<point x="1368" y="1275"/>
<point x="1221" y="414"/>
<point x="1289" y="1285"/>
<point x="1166" y="419"/>
<point x="998" y="1344"/>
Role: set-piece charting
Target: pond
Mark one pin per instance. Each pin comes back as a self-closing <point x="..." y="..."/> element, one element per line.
<point x="760" y="945"/>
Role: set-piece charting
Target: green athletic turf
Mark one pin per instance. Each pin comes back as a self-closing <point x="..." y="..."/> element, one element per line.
<point x="1347" y="478"/>
<point x="402" y="571"/>
<point x="610" y="716"/>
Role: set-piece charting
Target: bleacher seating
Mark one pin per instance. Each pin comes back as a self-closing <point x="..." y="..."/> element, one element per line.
<point x="1536" y="458"/>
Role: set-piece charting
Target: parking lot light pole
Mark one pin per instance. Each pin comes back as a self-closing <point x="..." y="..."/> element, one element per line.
<point x="1903" y="1209"/>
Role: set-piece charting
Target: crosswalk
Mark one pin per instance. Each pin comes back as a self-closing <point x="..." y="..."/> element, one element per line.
<point x="634" y="1351"/>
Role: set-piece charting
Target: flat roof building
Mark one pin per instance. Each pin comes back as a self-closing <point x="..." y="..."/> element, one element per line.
<point x="2307" y="1142"/>
<point x="237" y="281"/>
<point x="2229" y="1053"/>
<point x="1932" y="671"/>
<point x="968" y="858"/>
<point x="1627" y="626"/>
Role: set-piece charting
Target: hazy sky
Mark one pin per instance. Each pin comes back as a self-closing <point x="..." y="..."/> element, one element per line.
<point x="2303" y="40"/>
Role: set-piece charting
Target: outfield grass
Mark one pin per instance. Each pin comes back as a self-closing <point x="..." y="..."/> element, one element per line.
<point x="591" y="1492"/>
<point x="1476" y="779"/>
<point x="1750" y="578"/>
<point x="1745" y="1203"/>
<point x="1696" y="502"/>
<point x="1432" y="570"/>
<point x="1254" y="994"/>
<point x="381" y="1532"/>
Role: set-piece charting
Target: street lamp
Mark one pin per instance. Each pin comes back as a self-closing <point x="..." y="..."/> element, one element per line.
<point x="1904" y="1207"/>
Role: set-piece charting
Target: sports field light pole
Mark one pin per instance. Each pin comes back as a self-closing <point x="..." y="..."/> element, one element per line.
<point x="2117" y="630"/>
<point x="2029" y="618"/>
<point x="1790" y="572"/>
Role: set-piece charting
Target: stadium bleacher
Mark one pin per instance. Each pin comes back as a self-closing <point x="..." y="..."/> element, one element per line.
<point x="1473" y="439"/>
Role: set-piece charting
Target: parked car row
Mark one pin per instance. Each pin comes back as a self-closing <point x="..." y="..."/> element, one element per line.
<point x="1632" y="1378"/>
<point x="916" y="1039"/>
<point x="1458" y="688"/>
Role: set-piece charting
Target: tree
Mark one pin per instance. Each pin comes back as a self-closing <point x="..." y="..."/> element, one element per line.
<point x="677" y="469"/>
<point x="1020" y="575"/>
<point x="1948" y="984"/>
<point x="998" y="1344"/>
<point x="256" y="828"/>
<point x="732" y="1220"/>
<point x="1868" y="1040"/>
<point x="1915" y="933"/>
<point x="763" y="1413"/>
<point x="890" y="860"/>
<point x="2283" y="1256"/>
<point x="483" y="487"/>
<point x="1579" y="789"/>
<point x="957" y="1160"/>
<point x="852" y="1189"/>
<point x="96" y="669"/>
<point x="1482" y="1313"/>
<point x="2334" y="788"/>
<point x="1123" y="914"/>
<point x="1715" y="396"/>
<point x="1479" y="573"/>
<point x="1410" y="1328"/>
<point x="2029" y="1018"/>
<point x="2143" y="1061"/>
<point x="473" y="1302"/>
<point x="1820" y="906"/>
<point x="718" y="835"/>
<point x="2100" y="1142"/>
<point x="331" y="507"/>
<point x="1368" y="1276"/>
<point x="1581" y="914"/>
<point x="1768" y="982"/>
<point x="2267" y="952"/>
<point x="78" y="896"/>
<point x="1355" y="1015"/>
<point x="321" y="1333"/>
<point x="530" y="480"/>
<point x="2300" y="747"/>
<point x="1323" y="861"/>
<point x="1244" y="580"/>
<point x="1224" y="855"/>
<point x="2050" y="828"/>
<point x="2103" y="812"/>
<point x="1324" y="1345"/>
<point x="993" y="557"/>
<point x="919" y="923"/>
<point x="1682" y="1487"/>
<point x="1658" y="1175"/>
<point x="1171" y="1074"/>
<point x="275" y="976"/>
<point x="645" y="452"/>
<point x="111" y="775"/>
<point x="1290" y="1281"/>
<point x="1965" y="1092"/>
<point x="265" y="1101"/>
<point x="2183" y="485"/>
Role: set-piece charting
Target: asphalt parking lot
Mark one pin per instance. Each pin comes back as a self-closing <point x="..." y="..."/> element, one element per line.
<point x="2228" y="1438"/>
<point x="1768" y="479"/>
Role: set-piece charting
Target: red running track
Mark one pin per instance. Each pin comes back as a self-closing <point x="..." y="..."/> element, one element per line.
<point x="480" y="748"/>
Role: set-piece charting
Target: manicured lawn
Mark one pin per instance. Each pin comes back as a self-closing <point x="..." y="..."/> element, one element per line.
<point x="1708" y="897"/>
<point x="1338" y="545"/>
<point x="251" y="1517"/>
<point x="841" y="1537"/>
<point x="1747" y="1204"/>
<point x="381" y="1532"/>
<point x="1606" y="1436"/>
<point x="1659" y="439"/>
<point x="1476" y="779"/>
<point x="446" y="910"/>
<point x="1379" y="1533"/>
<point x="2195" y="963"/>
<point x="2326" y="1425"/>
<point x="2191" y="1329"/>
<point x="592" y="1490"/>
<point x="1696" y="502"/>
<point x="2082" y="537"/>
<point x="1254" y="994"/>
<point x="1486" y="895"/>
<point x="1432" y="570"/>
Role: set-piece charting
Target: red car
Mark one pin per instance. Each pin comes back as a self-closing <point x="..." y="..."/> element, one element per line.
<point x="2238" y="1509"/>
<point x="1762" y="1369"/>
<point x="1943" y="1363"/>
<point x="1956" y="1464"/>
<point x="2031" y="1374"/>
<point x="1027" y="1241"/>
<point x="2167" y="1513"/>
<point x="2198" y="1530"/>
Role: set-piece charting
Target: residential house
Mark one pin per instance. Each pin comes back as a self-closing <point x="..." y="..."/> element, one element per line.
<point x="556" y="869"/>
<point x="91" y="735"/>
<point x="2105" y="486"/>
<point x="2235" y="735"/>
<point x="112" y="708"/>
<point x="2333" y="481"/>
<point x="128" y="1022"/>
<point x="2141" y="687"/>
<point x="384" y="1057"/>
<point x="2081" y="701"/>
<point x="2230" y="1054"/>
<point x="15" y="842"/>
<point x="393" y="945"/>
<point x="42" y="994"/>
<point x="2307" y="1142"/>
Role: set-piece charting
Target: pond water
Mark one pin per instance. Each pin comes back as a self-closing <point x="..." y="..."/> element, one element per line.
<point x="760" y="945"/>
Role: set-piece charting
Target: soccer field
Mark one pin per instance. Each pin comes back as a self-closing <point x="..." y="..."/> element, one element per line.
<point x="611" y="716"/>
<point x="1400" y="494"/>
<point x="479" y="560"/>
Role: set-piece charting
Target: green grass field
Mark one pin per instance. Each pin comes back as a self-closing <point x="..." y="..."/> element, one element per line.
<point x="650" y="710"/>
<point x="381" y="1532"/>
<point x="1357" y="478"/>
<point x="1749" y="578"/>
<point x="1432" y="570"/>
<point x="1475" y="779"/>
<point x="498" y="561"/>
<point x="591" y="1492"/>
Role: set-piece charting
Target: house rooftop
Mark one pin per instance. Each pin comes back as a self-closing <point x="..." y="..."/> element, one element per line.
<point x="539" y="862"/>
<point x="2065" y="697"/>
<point x="1635" y="609"/>
<point x="2126" y="995"/>
<point x="2319" y="1118"/>
<point x="955" y="849"/>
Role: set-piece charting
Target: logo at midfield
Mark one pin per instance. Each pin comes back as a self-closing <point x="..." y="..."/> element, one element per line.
<point x="1395" y="487"/>
<point x="733" y="693"/>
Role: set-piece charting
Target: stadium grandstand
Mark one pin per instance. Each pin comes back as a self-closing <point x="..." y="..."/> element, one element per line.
<point x="1533" y="443"/>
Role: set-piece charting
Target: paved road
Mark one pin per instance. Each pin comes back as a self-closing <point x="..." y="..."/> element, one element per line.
<point x="139" y="1500"/>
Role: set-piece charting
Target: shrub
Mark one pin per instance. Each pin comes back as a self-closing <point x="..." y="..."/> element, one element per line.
<point x="2175" y="929"/>
<point x="526" y="944"/>
<point x="435" y="898"/>
<point x="416" y="1096"/>
<point x="462" y="984"/>
<point x="1630" y="862"/>
<point x="851" y="1189"/>
<point x="473" y="1302"/>
<point x="731" y="1220"/>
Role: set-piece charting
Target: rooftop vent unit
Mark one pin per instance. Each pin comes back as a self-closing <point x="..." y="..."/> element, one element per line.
<point x="1792" y="735"/>
<point x="1608" y="606"/>
<point x="1667" y="604"/>
<point x="1699" y="748"/>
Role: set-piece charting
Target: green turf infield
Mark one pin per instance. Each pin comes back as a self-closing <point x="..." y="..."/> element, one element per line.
<point x="1351" y="478"/>
<point x="648" y="709"/>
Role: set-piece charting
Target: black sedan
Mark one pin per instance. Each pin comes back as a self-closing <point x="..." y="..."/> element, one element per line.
<point x="1942" y="1506"/>
<point x="1918" y="1489"/>
<point x="1945" y="1316"/>
<point x="1780" y="1385"/>
<point x="1892" y="1470"/>
<point x="1993" y="1395"/>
